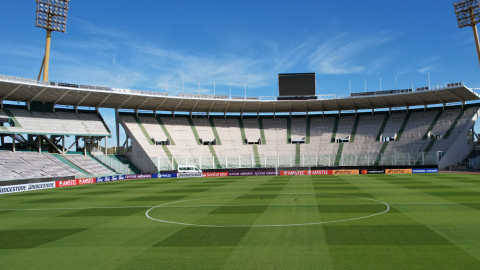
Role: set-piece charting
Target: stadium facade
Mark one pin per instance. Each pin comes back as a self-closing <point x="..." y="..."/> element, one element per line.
<point x="412" y="127"/>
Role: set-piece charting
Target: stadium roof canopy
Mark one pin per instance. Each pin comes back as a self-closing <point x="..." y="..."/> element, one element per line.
<point x="27" y="90"/>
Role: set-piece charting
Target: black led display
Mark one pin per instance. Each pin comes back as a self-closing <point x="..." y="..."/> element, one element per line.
<point x="296" y="84"/>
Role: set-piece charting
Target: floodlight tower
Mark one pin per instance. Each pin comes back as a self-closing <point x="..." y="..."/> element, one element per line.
<point x="468" y="14"/>
<point x="52" y="16"/>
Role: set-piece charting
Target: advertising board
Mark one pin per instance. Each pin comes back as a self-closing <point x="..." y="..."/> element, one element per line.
<point x="303" y="172"/>
<point x="165" y="175"/>
<point x="379" y="171"/>
<point x="343" y="172"/>
<point x="184" y="175"/>
<point x="398" y="171"/>
<point x="321" y="172"/>
<point x="26" y="187"/>
<point x="430" y="170"/>
<point x="206" y="174"/>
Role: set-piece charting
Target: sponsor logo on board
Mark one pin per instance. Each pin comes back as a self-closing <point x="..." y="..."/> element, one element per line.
<point x="372" y="171"/>
<point x="398" y="171"/>
<point x="208" y="174"/>
<point x="430" y="170"/>
<point x="343" y="172"/>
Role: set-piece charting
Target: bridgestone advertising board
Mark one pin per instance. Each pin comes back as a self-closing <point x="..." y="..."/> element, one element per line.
<point x="26" y="187"/>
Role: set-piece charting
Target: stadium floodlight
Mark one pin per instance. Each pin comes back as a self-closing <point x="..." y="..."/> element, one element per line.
<point x="468" y="14"/>
<point x="52" y="16"/>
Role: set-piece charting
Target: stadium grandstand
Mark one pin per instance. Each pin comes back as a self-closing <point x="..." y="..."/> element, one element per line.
<point x="414" y="127"/>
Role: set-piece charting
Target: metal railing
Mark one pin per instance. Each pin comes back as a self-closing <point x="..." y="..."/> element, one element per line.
<point x="368" y="159"/>
<point x="110" y="162"/>
<point x="474" y="162"/>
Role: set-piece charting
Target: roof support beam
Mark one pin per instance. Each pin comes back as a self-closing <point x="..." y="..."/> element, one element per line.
<point x="403" y="101"/>
<point x="241" y="112"/>
<point x="321" y="106"/>
<point x="290" y="110"/>
<point x="258" y="111"/>
<point x="11" y="92"/>
<point x="306" y="110"/>
<point x="60" y="98"/>
<point x="178" y="105"/>
<point x="103" y="101"/>
<point x="145" y="101"/>
<point x="80" y="102"/>
<point x="455" y="95"/>
<point x="274" y="107"/>
<point x="226" y="109"/>
<point x="336" y="103"/>
<point x="436" y="97"/>
<point x="208" y="112"/>
<point x="386" y="103"/>
<point x="353" y="104"/>
<point x="123" y="103"/>
<point x="193" y="108"/>
<point x="39" y="93"/>
<point x="421" y="101"/>
<point x="369" y="104"/>
<point x="158" y="107"/>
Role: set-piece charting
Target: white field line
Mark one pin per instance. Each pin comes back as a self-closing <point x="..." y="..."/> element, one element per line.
<point x="272" y="225"/>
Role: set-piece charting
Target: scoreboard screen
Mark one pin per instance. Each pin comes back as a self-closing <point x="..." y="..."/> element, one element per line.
<point x="296" y="84"/>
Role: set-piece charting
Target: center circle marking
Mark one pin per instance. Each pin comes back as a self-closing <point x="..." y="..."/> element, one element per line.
<point x="266" y="225"/>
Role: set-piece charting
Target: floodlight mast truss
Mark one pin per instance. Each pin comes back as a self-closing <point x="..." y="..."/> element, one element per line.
<point x="468" y="14"/>
<point x="51" y="16"/>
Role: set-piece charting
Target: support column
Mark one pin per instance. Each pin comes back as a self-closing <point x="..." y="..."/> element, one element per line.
<point x="39" y="143"/>
<point x="63" y="144"/>
<point x="13" y="143"/>
<point x="47" y="56"/>
<point x="475" y="35"/>
<point x="105" y="146"/>
<point x="117" y="123"/>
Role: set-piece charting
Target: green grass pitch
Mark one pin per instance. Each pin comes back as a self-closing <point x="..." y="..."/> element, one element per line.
<point x="417" y="221"/>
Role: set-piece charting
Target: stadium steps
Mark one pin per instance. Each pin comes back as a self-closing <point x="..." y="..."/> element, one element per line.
<point x="262" y="132"/>
<point x="307" y="137"/>
<point x="455" y="123"/>
<point x="215" y="158"/>
<point x="103" y="164"/>
<point x="297" y="155"/>
<point x="165" y="130"/>
<point x="169" y="155"/>
<point x="335" y="128"/>
<point x="242" y="130"/>
<point x="147" y="136"/>
<point x="380" y="153"/>
<point x="354" y="130"/>
<point x="382" y="128"/>
<point x="257" y="156"/>
<point x="214" y="129"/>
<point x="194" y="130"/>
<point x="338" y="158"/>
<point x="64" y="160"/>
<point x="437" y="117"/>
<point x="430" y="145"/>
<point x="289" y="131"/>
<point x="404" y="125"/>
<point x="10" y="114"/>
<point x="126" y="161"/>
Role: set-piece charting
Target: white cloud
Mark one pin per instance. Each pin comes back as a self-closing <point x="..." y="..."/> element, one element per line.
<point x="341" y="54"/>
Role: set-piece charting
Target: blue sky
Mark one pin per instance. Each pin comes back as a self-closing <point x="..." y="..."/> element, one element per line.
<point x="143" y="44"/>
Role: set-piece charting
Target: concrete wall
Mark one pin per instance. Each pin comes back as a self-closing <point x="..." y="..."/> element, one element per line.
<point x="460" y="148"/>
